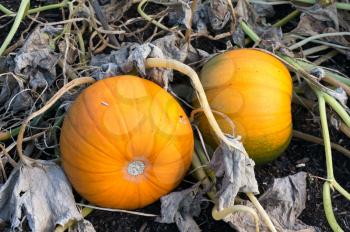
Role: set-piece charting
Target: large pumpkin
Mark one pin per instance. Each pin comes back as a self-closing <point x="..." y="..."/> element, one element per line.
<point x="254" y="89"/>
<point x="125" y="142"/>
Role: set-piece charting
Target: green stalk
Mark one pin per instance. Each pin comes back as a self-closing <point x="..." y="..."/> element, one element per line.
<point x="148" y="18"/>
<point x="325" y="134"/>
<point x="308" y="67"/>
<point x="338" y="108"/>
<point x="204" y="161"/>
<point x="4" y="10"/>
<point x="10" y="13"/>
<point x="316" y="49"/>
<point x="62" y="4"/>
<point x="200" y="175"/>
<point x="328" y="209"/>
<point x="286" y="19"/>
<point x="327" y="201"/>
<point x="314" y="37"/>
<point x="8" y="134"/>
<point x="247" y="30"/>
<point x="21" y="12"/>
<point x="341" y="190"/>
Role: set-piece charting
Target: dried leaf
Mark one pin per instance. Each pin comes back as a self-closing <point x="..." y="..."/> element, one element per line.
<point x="200" y="18"/>
<point x="40" y="192"/>
<point x="263" y="10"/>
<point x="319" y="19"/>
<point x="134" y="55"/>
<point x="180" y="207"/>
<point x="36" y="61"/>
<point x="284" y="201"/>
<point x="218" y="14"/>
<point x="235" y="171"/>
<point x="180" y="14"/>
<point x="13" y="96"/>
<point x="254" y="16"/>
<point x="115" y="9"/>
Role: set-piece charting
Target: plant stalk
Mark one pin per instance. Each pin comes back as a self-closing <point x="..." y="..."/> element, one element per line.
<point x="21" y="12"/>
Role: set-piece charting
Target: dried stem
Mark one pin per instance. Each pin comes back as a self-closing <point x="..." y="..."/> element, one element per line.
<point x="219" y="215"/>
<point x="189" y="30"/>
<point x="85" y="212"/>
<point x="326" y="57"/>
<point x="63" y="90"/>
<point x="119" y="210"/>
<point x="317" y="140"/>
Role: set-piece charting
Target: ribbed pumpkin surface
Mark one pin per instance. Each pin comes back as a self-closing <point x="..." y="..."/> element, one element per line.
<point x="125" y="142"/>
<point x="254" y="89"/>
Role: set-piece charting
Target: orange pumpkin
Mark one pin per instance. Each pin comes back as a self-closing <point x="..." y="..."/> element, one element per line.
<point x="125" y="142"/>
<point x="254" y="89"/>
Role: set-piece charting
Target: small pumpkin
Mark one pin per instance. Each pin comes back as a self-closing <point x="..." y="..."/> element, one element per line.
<point x="125" y="142"/>
<point x="254" y="89"/>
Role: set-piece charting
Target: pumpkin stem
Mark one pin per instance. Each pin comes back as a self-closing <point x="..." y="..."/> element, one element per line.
<point x="52" y="101"/>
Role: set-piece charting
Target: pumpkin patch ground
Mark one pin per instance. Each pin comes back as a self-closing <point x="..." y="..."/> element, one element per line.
<point x="152" y="115"/>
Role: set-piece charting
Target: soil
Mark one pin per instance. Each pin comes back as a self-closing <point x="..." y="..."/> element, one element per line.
<point x="298" y="152"/>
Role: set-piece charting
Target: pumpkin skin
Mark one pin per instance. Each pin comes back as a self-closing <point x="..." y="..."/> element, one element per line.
<point x="254" y="89"/>
<point x="125" y="142"/>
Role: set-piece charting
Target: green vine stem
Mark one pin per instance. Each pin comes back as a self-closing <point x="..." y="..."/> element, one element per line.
<point x="313" y="50"/>
<point x="286" y="19"/>
<point x="309" y="67"/>
<point x="337" y="108"/>
<point x="5" y="135"/>
<point x="315" y="37"/>
<point x="21" y="12"/>
<point x="327" y="205"/>
<point x="62" y="4"/>
<point x="247" y="29"/>
<point x="204" y="161"/>
<point x="199" y="174"/>
<point x="341" y="190"/>
<point x="325" y="134"/>
<point x="148" y="18"/>
<point x="4" y="10"/>
<point x="331" y="182"/>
